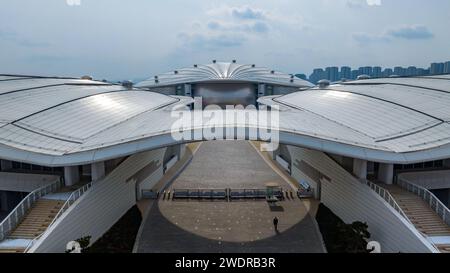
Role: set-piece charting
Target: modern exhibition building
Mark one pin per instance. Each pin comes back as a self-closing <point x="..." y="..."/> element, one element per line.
<point x="371" y="150"/>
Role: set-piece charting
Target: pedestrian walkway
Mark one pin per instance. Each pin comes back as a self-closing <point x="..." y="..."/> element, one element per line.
<point x="227" y="227"/>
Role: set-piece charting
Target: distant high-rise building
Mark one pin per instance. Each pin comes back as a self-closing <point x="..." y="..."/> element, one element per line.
<point x="360" y="71"/>
<point x="346" y="73"/>
<point x="411" y="71"/>
<point x="377" y="72"/>
<point x="317" y="75"/>
<point x="437" y="68"/>
<point x="399" y="71"/>
<point x="355" y="74"/>
<point x="422" y="72"/>
<point x="367" y="70"/>
<point x="388" y="72"/>
<point x="447" y="68"/>
<point x="332" y="73"/>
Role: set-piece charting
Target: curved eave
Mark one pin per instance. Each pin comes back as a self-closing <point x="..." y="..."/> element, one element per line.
<point x="166" y="139"/>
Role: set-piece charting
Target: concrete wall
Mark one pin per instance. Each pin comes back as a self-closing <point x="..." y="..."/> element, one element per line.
<point x="150" y="175"/>
<point x="20" y="182"/>
<point x="99" y="208"/>
<point x="352" y="201"/>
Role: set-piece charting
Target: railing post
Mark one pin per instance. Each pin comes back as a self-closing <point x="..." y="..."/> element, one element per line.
<point x="9" y="224"/>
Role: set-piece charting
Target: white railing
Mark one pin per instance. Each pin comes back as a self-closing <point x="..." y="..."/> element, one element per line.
<point x="386" y="195"/>
<point x="19" y="212"/>
<point x="72" y="199"/>
<point x="436" y="205"/>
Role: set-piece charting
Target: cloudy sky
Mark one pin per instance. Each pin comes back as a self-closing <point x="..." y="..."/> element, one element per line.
<point x="116" y="39"/>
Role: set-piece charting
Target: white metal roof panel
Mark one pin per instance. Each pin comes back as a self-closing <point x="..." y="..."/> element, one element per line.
<point x="372" y="117"/>
<point x="27" y="140"/>
<point x="32" y="83"/>
<point x="434" y="137"/>
<point x="85" y="117"/>
<point x="422" y="82"/>
<point x="433" y="103"/>
<point x="9" y="78"/>
<point x="17" y="105"/>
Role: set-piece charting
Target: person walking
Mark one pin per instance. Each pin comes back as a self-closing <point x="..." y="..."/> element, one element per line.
<point x="275" y="224"/>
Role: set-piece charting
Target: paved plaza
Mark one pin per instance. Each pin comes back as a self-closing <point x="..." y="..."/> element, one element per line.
<point x="225" y="227"/>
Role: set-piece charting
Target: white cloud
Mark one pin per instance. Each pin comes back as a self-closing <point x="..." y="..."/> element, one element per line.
<point x="406" y="32"/>
<point x="362" y="3"/>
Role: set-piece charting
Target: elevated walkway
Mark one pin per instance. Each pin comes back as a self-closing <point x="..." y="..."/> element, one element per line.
<point x="30" y="218"/>
<point x="352" y="200"/>
<point x="37" y="220"/>
<point x="422" y="216"/>
<point x="33" y="216"/>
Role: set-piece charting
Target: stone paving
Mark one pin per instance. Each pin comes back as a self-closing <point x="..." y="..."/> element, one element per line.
<point x="228" y="227"/>
<point x="227" y="164"/>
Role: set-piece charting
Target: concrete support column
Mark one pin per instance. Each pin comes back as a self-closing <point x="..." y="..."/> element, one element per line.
<point x="97" y="170"/>
<point x="188" y="90"/>
<point x="6" y="165"/>
<point x="386" y="173"/>
<point x="447" y="163"/>
<point x="71" y="175"/>
<point x="182" y="151"/>
<point x="360" y="168"/>
<point x="261" y="90"/>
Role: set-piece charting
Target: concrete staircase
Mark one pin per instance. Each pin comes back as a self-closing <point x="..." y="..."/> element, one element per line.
<point x="444" y="248"/>
<point x="35" y="222"/>
<point x="38" y="219"/>
<point x="12" y="250"/>
<point x="420" y="214"/>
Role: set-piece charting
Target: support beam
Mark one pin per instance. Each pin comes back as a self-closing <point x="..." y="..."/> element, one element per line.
<point x="97" y="170"/>
<point x="360" y="168"/>
<point x="6" y="165"/>
<point x="386" y="173"/>
<point x="71" y="175"/>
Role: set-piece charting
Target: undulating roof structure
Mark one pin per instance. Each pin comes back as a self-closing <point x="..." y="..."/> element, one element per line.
<point x="62" y="121"/>
<point x="224" y="72"/>
<point x="408" y="117"/>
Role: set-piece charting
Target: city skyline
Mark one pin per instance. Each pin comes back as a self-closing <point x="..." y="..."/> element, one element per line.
<point x="335" y="73"/>
<point x="129" y="40"/>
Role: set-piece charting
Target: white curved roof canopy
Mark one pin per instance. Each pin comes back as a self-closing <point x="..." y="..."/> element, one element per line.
<point x="222" y="72"/>
<point x="57" y="122"/>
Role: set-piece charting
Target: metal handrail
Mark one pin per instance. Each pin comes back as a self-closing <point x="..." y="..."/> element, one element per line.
<point x="69" y="202"/>
<point x="435" y="204"/>
<point x="386" y="195"/>
<point x="18" y="213"/>
<point x="391" y="201"/>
